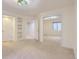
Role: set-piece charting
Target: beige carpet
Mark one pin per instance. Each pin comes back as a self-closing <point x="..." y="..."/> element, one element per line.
<point x="35" y="50"/>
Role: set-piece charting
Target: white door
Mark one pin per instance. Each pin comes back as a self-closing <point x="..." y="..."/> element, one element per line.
<point x="8" y="29"/>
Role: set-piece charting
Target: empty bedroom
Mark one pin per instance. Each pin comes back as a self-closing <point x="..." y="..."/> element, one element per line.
<point x="39" y="29"/>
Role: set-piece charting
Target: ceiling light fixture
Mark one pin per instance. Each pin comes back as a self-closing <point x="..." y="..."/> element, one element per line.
<point x="23" y="2"/>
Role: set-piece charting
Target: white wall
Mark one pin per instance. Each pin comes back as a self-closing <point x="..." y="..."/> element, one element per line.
<point x="69" y="24"/>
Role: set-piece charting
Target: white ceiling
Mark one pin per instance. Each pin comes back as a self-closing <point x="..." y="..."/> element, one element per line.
<point x="36" y="6"/>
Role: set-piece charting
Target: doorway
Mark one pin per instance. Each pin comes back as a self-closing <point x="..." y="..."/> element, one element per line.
<point x="8" y="28"/>
<point x="52" y="29"/>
